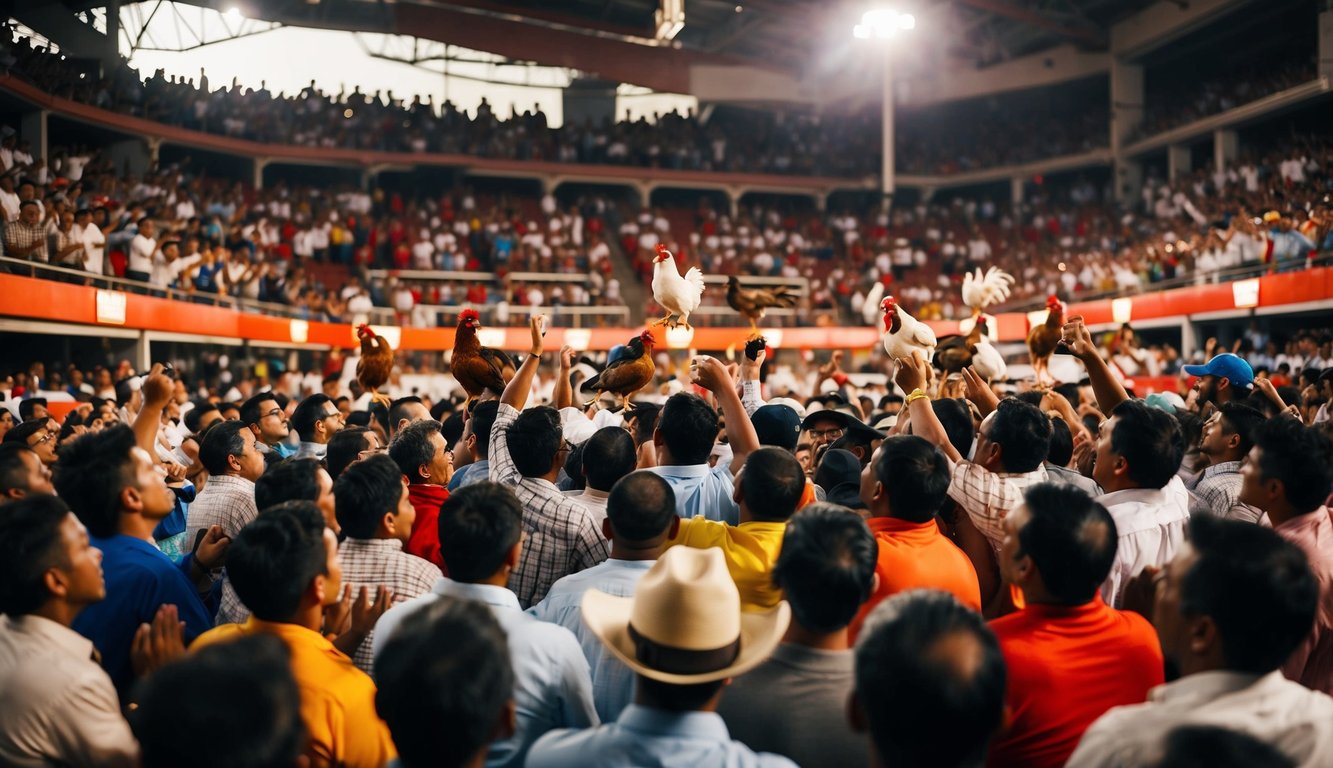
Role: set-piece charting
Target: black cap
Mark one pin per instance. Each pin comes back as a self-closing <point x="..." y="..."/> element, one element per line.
<point x="853" y="426"/>
<point x="777" y="425"/>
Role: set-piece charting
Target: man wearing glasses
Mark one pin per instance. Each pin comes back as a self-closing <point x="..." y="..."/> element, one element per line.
<point x="316" y="420"/>
<point x="38" y="437"/>
<point x="262" y="414"/>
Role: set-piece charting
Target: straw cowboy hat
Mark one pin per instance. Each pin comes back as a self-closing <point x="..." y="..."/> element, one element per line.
<point x="684" y="624"/>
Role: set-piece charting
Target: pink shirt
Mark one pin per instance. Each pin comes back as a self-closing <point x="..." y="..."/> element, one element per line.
<point x="1312" y="663"/>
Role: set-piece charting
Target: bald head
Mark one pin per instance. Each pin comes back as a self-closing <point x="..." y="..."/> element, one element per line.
<point x="641" y="507"/>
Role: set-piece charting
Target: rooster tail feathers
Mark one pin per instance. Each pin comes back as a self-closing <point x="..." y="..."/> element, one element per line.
<point x="695" y="278"/>
<point x="870" y="309"/>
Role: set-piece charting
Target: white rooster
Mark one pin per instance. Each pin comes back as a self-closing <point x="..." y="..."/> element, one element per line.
<point x="980" y="291"/>
<point x="987" y="360"/>
<point x="677" y="296"/>
<point x="904" y="334"/>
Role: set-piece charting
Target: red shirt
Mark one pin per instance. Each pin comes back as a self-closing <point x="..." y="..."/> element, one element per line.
<point x="917" y="556"/>
<point x="1067" y="666"/>
<point x="425" y="539"/>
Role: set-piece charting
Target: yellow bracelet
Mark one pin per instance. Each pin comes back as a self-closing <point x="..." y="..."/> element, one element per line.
<point x="916" y="394"/>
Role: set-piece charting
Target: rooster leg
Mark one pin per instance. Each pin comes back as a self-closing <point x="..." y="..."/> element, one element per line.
<point x="754" y="330"/>
<point x="665" y="319"/>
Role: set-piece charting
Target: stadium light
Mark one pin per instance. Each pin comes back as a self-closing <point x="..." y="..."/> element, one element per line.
<point x="883" y="24"/>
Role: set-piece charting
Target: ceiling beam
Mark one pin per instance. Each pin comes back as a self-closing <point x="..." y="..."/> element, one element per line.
<point x="1035" y="19"/>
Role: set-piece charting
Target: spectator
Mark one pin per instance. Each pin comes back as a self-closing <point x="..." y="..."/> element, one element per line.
<point x="826" y="570"/>
<point x="608" y="456"/>
<point x="421" y="456"/>
<point x="316" y="420"/>
<point x="476" y="441"/>
<point x="481" y="536"/>
<point x="1227" y="438"/>
<point x="22" y="473"/>
<point x="266" y="420"/>
<point x="1225" y="379"/>
<point x="348" y="446"/>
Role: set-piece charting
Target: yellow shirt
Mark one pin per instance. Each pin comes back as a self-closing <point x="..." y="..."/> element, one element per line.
<point x="751" y="550"/>
<point x="337" y="699"/>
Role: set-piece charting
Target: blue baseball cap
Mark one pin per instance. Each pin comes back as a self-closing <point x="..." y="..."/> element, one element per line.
<point x="1226" y="366"/>
<point x="777" y="425"/>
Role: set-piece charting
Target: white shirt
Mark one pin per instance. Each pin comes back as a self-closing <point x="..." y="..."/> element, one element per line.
<point x="57" y="705"/>
<point x="141" y="254"/>
<point x="1150" y="526"/>
<point x="94" y="246"/>
<point x="1274" y="710"/>
<point x="552" y="687"/>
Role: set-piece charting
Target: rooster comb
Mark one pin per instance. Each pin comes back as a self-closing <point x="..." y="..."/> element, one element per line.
<point x="647" y="338"/>
<point x="662" y="250"/>
<point x="468" y="314"/>
<point x="363" y="330"/>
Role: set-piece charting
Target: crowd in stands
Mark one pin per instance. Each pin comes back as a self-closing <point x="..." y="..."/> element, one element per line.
<point x="213" y="240"/>
<point x="1193" y="100"/>
<point x="745" y="569"/>
<point x="1267" y="211"/>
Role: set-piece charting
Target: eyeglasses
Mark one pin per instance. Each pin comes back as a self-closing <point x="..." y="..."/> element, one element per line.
<point x="274" y="412"/>
<point x="565" y="446"/>
<point x="333" y="415"/>
<point x="48" y="436"/>
<point x="831" y="434"/>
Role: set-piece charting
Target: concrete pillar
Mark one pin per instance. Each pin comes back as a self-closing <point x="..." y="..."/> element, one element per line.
<point x="886" y="145"/>
<point x="140" y="356"/>
<point x="32" y="127"/>
<point x="1177" y="161"/>
<point x="154" y="146"/>
<point x="1126" y="117"/>
<point x="1016" y="187"/>
<point x="130" y="156"/>
<point x="1226" y="148"/>
<point x="1326" y="44"/>
<point x="257" y="178"/>
<point x="821" y="201"/>
<point x="734" y="201"/>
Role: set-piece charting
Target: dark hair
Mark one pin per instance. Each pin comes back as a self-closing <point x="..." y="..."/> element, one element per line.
<point x="193" y="416"/>
<point x="288" y="480"/>
<point x="608" y="456"/>
<point x="412" y="447"/>
<point x="1242" y="420"/>
<point x="1150" y="440"/>
<point x="344" y="448"/>
<point x="534" y="439"/>
<point x="1255" y="586"/>
<point x="826" y="566"/>
<point x="1031" y="397"/>
<point x="1300" y="457"/>
<point x="1071" y="538"/>
<point x="398" y="411"/>
<point x="13" y="470"/>
<point x="30" y="544"/>
<point x="442" y="708"/>
<point x="250" y="411"/>
<point x="1211" y="746"/>
<point x="956" y="419"/>
<point x="222" y="442"/>
<point x="641" y="506"/>
<point x="645" y="421"/>
<point x="307" y="412"/>
<point x="676" y="698"/>
<point x="772" y="483"/>
<point x="930" y="679"/>
<point x="365" y="492"/>
<point x="1061" y="449"/>
<point x="92" y="472"/>
<point x="19" y="433"/>
<point x="479" y="524"/>
<point x="251" y="694"/>
<point x="689" y="428"/>
<point x="915" y="476"/>
<point x="273" y="559"/>
<point x="1024" y="432"/>
<point x="451" y="428"/>
<point x="483" y="418"/>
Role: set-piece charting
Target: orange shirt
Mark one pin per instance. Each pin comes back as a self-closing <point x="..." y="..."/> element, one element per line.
<point x="1067" y="666"/>
<point x="337" y="699"/>
<point x="917" y="556"/>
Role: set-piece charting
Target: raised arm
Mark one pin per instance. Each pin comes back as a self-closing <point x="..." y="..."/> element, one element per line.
<point x="564" y="391"/>
<point x="517" y="390"/>
<point x="1108" y="391"/>
<point x="912" y="377"/>
<point x="155" y="393"/>
<point x="741" y="436"/>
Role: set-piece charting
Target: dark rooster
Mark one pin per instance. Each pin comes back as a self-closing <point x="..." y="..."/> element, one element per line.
<point x="630" y="371"/>
<point x="751" y="303"/>
<point x="958" y="352"/>
<point x="375" y="364"/>
<point x="478" y="368"/>
<point x="1042" y="340"/>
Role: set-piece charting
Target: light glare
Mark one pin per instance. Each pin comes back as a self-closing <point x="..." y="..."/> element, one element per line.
<point x="883" y="24"/>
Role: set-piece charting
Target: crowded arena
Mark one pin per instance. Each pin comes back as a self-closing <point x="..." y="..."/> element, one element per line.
<point x="666" y="383"/>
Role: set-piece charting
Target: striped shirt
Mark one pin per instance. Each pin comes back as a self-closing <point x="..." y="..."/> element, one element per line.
<point x="1218" y="493"/>
<point x="563" y="535"/>
<point x="372" y="563"/>
<point x="989" y="496"/>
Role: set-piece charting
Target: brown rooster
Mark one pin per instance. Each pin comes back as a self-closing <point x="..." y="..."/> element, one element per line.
<point x="375" y="364"/>
<point x="628" y="372"/>
<point x="752" y="302"/>
<point x="1042" y="340"/>
<point x="954" y="352"/>
<point x="478" y="368"/>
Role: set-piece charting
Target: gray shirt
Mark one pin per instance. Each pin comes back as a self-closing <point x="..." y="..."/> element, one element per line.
<point x="795" y="704"/>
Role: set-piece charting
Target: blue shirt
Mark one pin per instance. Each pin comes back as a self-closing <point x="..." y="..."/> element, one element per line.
<point x="476" y="472"/>
<point x="551" y="684"/>
<point x="139" y="580"/>
<point x="612" y="681"/>
<point x="702" y="490"/>
<point x="651" y="738"/>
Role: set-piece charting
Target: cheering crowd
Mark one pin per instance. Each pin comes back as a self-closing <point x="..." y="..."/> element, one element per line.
<point x="732" y="572"/>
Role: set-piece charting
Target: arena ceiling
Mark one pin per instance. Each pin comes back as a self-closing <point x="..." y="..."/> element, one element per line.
<point x="614" y="39"/>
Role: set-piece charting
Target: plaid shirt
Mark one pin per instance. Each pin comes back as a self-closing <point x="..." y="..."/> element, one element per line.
<point x="989" y="496"/>
<point x="371" y="563"/>
<point x="20" y="235"/>
<point x="228" y="501"/>
<point x="1218" y="493"/>
<point x="563" y="535"/>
